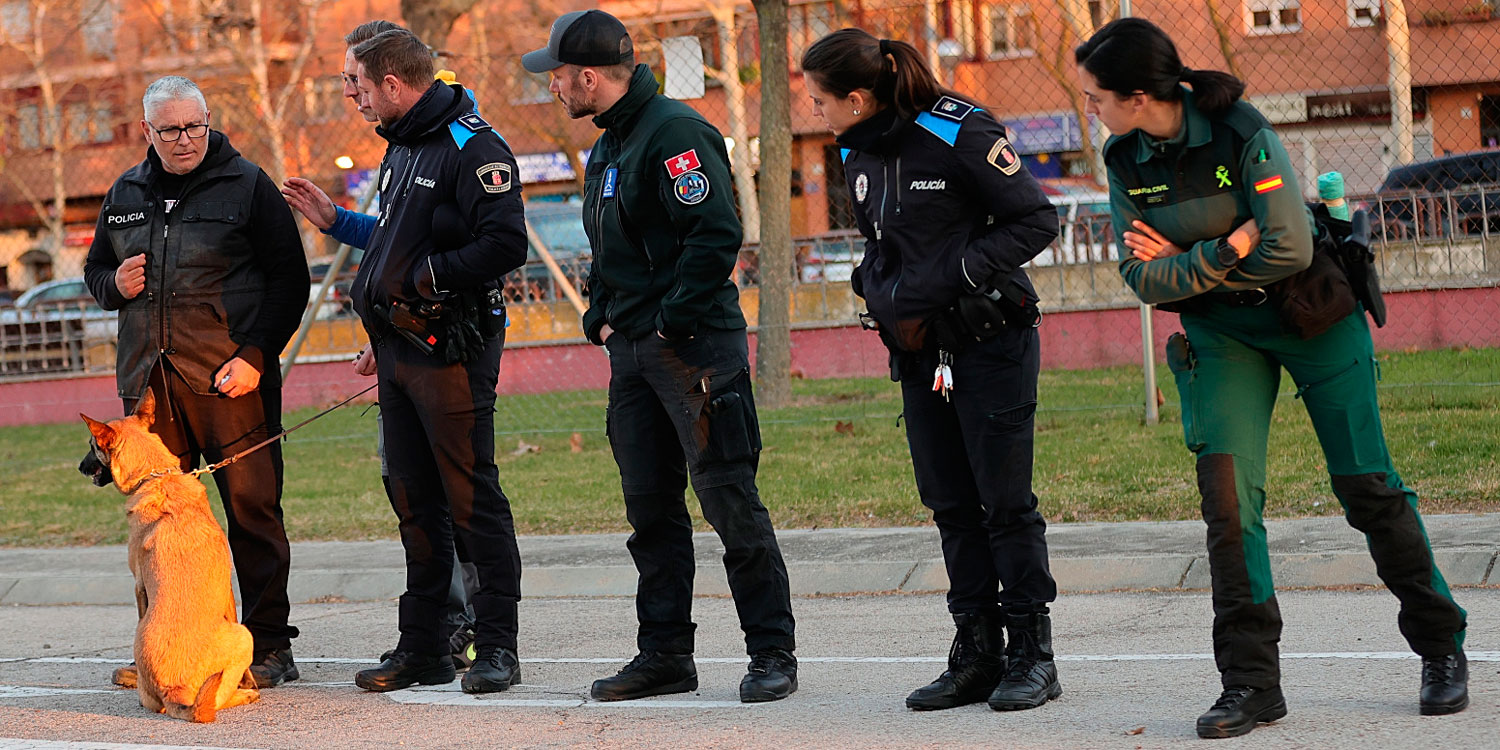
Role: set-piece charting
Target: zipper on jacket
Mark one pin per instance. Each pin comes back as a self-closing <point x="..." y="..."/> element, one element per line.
<point x="898" y="184"/>
<point x="885" y="190"/>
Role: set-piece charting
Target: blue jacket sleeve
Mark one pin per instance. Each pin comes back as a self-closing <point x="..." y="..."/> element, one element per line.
<point x="351" y="227"/>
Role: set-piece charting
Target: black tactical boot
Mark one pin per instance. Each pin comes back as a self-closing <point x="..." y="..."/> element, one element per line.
<point x="649" y="673"/>
<point x="272" y="667"/>
<point x="495" y="669"/>
<point x="976" y="661"/>
<point x="1239" y="709"/>
<point x="404" y="669"/>
<point x="1445" y="684"/>
<point x="1030" y="674"/>
<point x="772" y="676"/>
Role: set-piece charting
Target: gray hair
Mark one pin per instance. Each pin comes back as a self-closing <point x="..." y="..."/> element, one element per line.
<point x="171" y="89"/>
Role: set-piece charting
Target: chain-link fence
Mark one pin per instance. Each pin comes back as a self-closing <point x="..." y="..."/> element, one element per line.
<point x="1401" y="98"/>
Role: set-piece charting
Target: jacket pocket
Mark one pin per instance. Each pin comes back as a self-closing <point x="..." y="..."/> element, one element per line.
<point x="205" y="227"/>
<point x="1183" y="364"/>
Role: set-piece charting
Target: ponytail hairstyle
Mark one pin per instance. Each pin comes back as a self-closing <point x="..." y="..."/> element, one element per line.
<point x="851" y="59"/>
<point x="1133" y="55"/>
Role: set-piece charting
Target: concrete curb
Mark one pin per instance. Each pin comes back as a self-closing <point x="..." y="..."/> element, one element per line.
<point x="1461" y="567"/>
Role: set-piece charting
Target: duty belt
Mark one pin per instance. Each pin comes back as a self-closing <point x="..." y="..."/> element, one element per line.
<point x="1244" y="298"/>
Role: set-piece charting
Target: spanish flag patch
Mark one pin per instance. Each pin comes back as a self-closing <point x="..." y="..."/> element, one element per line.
<point x="1268" y="184"/>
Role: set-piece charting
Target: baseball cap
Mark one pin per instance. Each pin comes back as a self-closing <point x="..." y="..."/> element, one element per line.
<point x="583" y="37"/>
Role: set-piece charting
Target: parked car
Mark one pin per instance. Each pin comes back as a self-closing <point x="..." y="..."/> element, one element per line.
<point x="1085" y="232"/>
<point x="54" y="326"/>
<point x="1452" y="196"/>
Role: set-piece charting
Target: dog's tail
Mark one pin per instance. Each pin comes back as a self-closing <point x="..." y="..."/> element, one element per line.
<point x="205" y="706"/>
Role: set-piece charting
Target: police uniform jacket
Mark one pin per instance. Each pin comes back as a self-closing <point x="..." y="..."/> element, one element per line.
<point x="226" y="275"/>
<point x="1195" y="188"/>
<point x="451" y="217"/>
<point x="660" y="215"/>
<point x="946" y="208"/>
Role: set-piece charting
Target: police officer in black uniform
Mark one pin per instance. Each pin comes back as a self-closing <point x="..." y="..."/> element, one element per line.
<point x="949" y="214"/>
<point x="450" y="226"/>
<point x="660" y="216"/>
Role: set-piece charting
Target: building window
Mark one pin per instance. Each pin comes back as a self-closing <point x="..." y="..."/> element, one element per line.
<point x="1489" y="122"/>
<point x="1008" y="31"/>
<point x="104" y="123"/>
<point x="77" y="116"/>
<point x="1362" y="13"/>
<point x="323" y="98"/>
<point x="15" y="19"/>
<point x="29" y="127"/>
<point x="1273" y="17"/>
<point x="98" y="27"/>
<point x="806" y="24"/>
<point x="532" y="88"/>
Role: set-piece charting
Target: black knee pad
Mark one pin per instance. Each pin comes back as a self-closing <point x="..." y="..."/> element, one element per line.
<point x="1368" y="500"/>
<point x="1221" y="502"/>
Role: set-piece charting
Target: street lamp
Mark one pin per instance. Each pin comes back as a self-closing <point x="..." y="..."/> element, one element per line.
<point x="950" y="51"/>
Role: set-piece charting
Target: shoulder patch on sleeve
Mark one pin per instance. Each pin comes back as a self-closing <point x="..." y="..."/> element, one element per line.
<point x="473" y="122"/>
<point x="495" y="177"/>
<point x="946" y="129"/>
<point x="1003" y="157"/>
<point x="843" y="154"/>
<point x="684" y="162"/>
<point x="952" y="109"/>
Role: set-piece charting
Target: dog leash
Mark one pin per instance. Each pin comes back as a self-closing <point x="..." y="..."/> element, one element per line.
<point x="211" y="468"/>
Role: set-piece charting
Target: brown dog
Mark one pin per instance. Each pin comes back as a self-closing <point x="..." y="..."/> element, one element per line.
<point x="190" y="650"/>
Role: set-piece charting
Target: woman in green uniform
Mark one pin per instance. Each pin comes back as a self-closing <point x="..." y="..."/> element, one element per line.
<point x="1209" y="209"/>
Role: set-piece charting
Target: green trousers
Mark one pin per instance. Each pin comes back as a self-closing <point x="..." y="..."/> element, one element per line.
<point x="1228" y="372"/>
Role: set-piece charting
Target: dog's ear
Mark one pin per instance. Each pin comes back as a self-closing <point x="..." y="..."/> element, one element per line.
<point x="104" y="435"/>
<point x="145" y="410"/>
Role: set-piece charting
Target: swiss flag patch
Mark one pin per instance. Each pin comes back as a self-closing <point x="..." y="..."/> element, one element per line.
<point x="682" y="163"/>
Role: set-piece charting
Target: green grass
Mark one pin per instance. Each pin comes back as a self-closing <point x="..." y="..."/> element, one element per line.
<point x="1096" y="461"/>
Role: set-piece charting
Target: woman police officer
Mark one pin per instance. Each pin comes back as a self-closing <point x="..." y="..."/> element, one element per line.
<point x="949" y="214"/>
<point x="1206" y="201"/>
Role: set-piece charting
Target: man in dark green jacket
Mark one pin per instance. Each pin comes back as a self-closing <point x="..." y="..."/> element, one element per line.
<point x="660" y="216"/>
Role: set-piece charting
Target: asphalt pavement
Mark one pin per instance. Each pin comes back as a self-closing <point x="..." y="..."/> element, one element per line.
<point x="1085" y="557"/>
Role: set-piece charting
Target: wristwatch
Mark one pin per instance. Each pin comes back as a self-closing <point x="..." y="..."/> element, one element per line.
<point x="1228" y="256"/>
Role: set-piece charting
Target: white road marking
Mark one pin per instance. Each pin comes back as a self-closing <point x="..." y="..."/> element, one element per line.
<point x="13" y="743"/>
<point x="22" y="691"/>
<point x="1478" y="656"/>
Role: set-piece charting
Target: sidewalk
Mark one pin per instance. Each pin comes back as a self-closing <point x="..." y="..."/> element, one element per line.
<point x="1316" y="552"/>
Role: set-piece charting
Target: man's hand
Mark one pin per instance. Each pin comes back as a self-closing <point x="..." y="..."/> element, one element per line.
<point x="130" y="276"/>
<point x="1148" y="244"/>
<point x="364" y="364"/>
<point x="310" y="201"/>
<point x="236" y="378"/>
<point x="604" y="332"/>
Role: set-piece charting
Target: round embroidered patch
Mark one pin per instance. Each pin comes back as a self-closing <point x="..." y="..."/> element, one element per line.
<point x="691" y="188"/>
<point x="861" y="187"/>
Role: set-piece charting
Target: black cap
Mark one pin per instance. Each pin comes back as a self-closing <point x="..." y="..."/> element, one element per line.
<point x="583" y="37"/>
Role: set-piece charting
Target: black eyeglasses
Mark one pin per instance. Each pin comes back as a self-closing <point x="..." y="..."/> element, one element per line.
<point x="170" y="135"/>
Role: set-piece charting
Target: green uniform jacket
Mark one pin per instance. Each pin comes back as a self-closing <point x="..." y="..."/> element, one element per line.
<point x="660" y="214"/>
<point x="1196" y="188"/>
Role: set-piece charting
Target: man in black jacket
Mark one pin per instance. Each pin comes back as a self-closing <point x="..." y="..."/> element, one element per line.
<point x="660" y="216"/>
<point x="198" y="251"/>
<point x="450" y="226"/>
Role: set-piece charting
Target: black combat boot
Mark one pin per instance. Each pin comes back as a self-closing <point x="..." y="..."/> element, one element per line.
<point x="495" y="669"/>
<point x="771" y="677"/>
<point x="1239" y="709"/>
<point x="1445" y="684"/>
<point x="272" y="667"/>
<point x="649" y="673"/>
<point x="404" y="669"/>
<point x="976" y="661"/>
<point x="1030" y="674"/>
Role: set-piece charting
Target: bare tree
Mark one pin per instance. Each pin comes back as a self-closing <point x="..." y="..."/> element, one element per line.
<point x="1226" y="40"/>
<point x="1077" y="25"/>
<point x="728" y="76"/>
<point x="432" y="20"/>
<point x="773" y="345"/>
<point x="40" y="31"/>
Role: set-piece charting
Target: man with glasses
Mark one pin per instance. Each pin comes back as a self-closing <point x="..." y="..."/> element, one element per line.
<point x="198" y="251"/>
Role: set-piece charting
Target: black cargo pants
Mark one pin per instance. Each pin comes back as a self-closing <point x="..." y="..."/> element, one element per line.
<point x="686" y="408"/>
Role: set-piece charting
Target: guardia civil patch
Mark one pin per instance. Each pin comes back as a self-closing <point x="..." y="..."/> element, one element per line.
<point x="691" y="188"/>
<point x="1003" y="157"/>
<point x="495" y="177"/>
<point x="861" y="187"/>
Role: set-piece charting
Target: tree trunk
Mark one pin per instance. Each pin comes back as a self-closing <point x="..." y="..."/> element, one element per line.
<point x="774" y="346"/>
<point x="432" y="20"/>
<point x="1226" y="40"/>
<point x="739" y="128"/>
